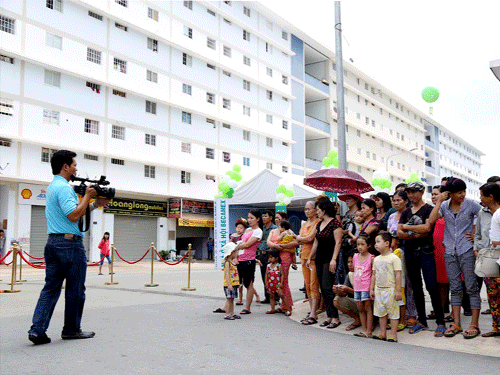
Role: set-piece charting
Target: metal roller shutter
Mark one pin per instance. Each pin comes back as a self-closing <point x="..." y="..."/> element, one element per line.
<point x="38" y="236"/>
<point x="133" y="235"/>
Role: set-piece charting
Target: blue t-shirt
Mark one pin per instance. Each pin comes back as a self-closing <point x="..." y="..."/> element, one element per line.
<point x="61" y="201"/>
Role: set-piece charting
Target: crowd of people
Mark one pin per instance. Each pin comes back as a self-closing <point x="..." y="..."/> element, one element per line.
<point x="371" y="263"/>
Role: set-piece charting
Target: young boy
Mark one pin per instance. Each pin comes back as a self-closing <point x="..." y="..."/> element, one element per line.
<point x="231" y="280"/>
<point x="385" y="287"/>
<point x="344" y="299"/>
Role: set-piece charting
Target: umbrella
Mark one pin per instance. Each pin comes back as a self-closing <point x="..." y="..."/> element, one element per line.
<point x="338" y="180"/>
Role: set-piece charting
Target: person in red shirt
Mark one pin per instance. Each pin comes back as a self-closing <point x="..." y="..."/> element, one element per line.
<point x="104" y="247"/>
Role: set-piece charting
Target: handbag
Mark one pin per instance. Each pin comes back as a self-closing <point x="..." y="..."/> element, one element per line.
<point x="486" y="263"/>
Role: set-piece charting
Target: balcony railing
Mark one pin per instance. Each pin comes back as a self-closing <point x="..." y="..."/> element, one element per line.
<point x="316" y="83"/>
<point x="318" y="124"/>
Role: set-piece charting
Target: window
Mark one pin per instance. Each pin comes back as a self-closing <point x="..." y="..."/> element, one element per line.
<point x="54" y="4"/>
<point x="188" y="4"/>
<point x="151" y="107"/>
<point x="269" y="71"/>
<point x="226" y="103"/>
<point x="52" y="78"/>
<point x="50" y="117"/>
<point x="210" y="98"/>
<point x="186" y="147"/>
<point x="46" y="154"/>
<point x="91" y="157"/>
<point x="359" y="169"/>
<point x="284" y="35"/>
<point x="153" y="14"/>
<point x="269" y="118"/>
<point x="94" y="87"/>
<point x="5" y="142"/>
<point x="227" y="126"/>
<point x="246" y="161"/>
<point x="123" y="3"/>
<point x="373" y="123"/>
<point x="246" y="11"/>
<point x="91" y="126"/>
<point x="52" y="40"/>
<point x="269" y="165"/>
<point x="227" y="21"/>
<point x="210" y="66"/>
<point x="211" y="43"/>
<point x="284" y="169"/>
<point x="211" y="121"/>
<point x="188" y="32"/>
<point x="358" y="133"/>
<point x="226" y="157"/>
<point x="358" y="151"/>
<point x="367" y="154"/>
<point x="227" y="51"/>
<point x="7" y="59"/>
<point x="152" y="76"/>
<point x="7" y="107"/>
<point x="121" y="27"/>
<point x="226" y="73"/>
<point x="269" y="94"/>
<point x="150" y="139"/>
<point x="246" y="135"/>
<point x="284" y="79"/>
<point x="186" y="117"/>
<point x="95" y="15"/>
<point x="285" y="124"/>
<point x="210" y="153"/>
<point x="153" y="44"/>
<point x="120" y="65"/>
<point x="269" y="142"/>
<point x="93" y="56"/>
<point x="187" y="59"/>
<point x="367" y="121"/>
<point x="246" y="60"/>
<point x="246" y="85"/>
<point x="7" y="24"/>
<point x="269" y="48"/>
<point x="246" y="35"/>
<point x="118" y="132"/>
<point x="117" y="161"/>
<point x="186" y="89"/>
<point x="211" y="12"/>
<point x="246" y="110"/>
<point x="286" y="144"/>
<point x="374" y="156"/>
<point x="185" y="177"/>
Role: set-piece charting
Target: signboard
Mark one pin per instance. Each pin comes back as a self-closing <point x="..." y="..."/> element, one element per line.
<point x="196" y="207"/>
<point x="135" y="207"/>
<point x="174" y="207"/>
<point x="184" y="222"/>
<point x="32" y="194"/>
<point x="280" y="207"/>
<point x="221" y="230"/>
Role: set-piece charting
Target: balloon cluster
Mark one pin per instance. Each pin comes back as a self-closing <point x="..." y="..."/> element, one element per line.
<point x="381" y="181"/>
<point x="229" y="182"/>
<point x="284" y="192"/>
<point x="413" y="177"/>
<point x="331" y="160"/>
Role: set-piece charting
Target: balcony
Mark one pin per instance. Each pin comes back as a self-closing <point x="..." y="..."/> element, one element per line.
<point x="316" y="83"/>
<point x="313" y="164"/>
<point x="318" y="124"/>
<point x="431" y="170"/>
<point x="430" y="144"/>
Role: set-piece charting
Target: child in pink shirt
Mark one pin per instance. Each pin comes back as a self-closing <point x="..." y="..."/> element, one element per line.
<point x="363" y="262"/>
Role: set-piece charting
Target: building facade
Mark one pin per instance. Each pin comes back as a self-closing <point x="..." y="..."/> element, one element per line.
<point x="163" y="97"/>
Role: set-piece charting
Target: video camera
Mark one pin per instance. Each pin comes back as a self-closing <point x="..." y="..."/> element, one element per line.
<point x="98" y="185"/>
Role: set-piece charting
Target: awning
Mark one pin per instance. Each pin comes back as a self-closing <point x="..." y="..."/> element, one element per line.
<point x="495" y="68"/>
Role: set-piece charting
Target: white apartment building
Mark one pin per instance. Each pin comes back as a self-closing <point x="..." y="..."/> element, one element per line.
<point x="164" y="97"/>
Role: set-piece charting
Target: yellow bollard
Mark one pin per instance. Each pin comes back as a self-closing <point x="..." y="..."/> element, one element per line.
<point x="112" y="263"/>
<point x="189" y="288"/>
<point x="14" y="269"/>
<point x="152" y="248"/>
<point x="20" y="281"/>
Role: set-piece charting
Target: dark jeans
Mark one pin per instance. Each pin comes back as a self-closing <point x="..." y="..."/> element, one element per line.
<point x="326" y="281"/>
<point x="210" y="255"/>
<point x="65" y="259"/>
<point x="423" y="262"/>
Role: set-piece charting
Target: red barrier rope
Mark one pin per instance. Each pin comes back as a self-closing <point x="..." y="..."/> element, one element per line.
<point x="40" y="266"/>
<point x="171" y="264"/>
<point x="32" y="257"/>
<point x="96" y="263"/>
<point x="6" y="255"/>
<point x="126" y="261"/>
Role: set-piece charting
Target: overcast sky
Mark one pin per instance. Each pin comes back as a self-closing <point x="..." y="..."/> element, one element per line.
<point x="407" y="46"/>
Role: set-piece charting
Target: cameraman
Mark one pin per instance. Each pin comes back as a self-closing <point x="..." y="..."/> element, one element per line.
<point x="64" y="252"/>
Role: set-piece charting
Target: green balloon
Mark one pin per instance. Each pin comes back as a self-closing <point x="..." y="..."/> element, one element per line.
<point x="224" y="187"/>
<point x="230" y="193"/>
<point x="327" y="162"/>
<point x="376" y="182"/>
<point x="430" y="94"/>
<point x="236" y="168"/>
<point x="335" y="162"/>
<point x="289" y="193"/>
<point x="332" y="154"/>
<point x="281" y="189"/>
<point x="236" y="176"/>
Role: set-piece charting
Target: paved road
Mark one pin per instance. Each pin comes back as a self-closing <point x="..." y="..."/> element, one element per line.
<point x="146" y="331"/>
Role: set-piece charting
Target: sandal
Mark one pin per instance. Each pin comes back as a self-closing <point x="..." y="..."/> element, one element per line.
<point x="439" y="332"/>
<point x="218" y="310"/>
<point x="486" y="312"/>
<point x="333" y="325"/>
<point x="288" y="313"/>
<point x="417" y="328"/>
<point x="352" y="326"/>
<point x="361" y="334"/>
<point x="411" y="322"/>
<point x="449" y="319"/>
<point x="239" y="303"/>
<point x="236" y="316"/>
<point x="401" y="327"/>
<point x="324" y="324"/>
<point x="245" y="312"/>
<point x="310" y="321"/>
<point x="294" y="266"/>
<point x="271" y="312"/>
<point x="390" y="339"/>
<point x="491" y="334"/>
<point x="476" y="332"/>
<point x="229" y="317"/>
<point x="379" y="337"/>
<point x="452" y="330"/>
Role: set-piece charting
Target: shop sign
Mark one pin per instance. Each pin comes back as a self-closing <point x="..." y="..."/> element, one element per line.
<point x="135" y="207"/>
<point x="183" y="222"/>
<point x="221" y="230"/>
<point x="196" y="207"/>
<point x="32" y="194"/>
<point x="174" y="207"/>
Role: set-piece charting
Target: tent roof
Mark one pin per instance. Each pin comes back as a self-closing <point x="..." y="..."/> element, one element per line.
<point x="260" y="191"/>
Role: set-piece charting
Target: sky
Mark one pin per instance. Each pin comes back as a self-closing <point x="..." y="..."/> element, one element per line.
<point x="407" y="46"/>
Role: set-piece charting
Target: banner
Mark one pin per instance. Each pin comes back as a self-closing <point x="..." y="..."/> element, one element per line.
<point x="221" y="230"/>
<point x="135" y="207"/>
<point x="32" y="194"/>
<point x="184" y="222"/>
<point x="174" y="207"/>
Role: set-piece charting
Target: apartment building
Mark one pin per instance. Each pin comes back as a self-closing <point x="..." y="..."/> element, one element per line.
<point x="164" y="97"/>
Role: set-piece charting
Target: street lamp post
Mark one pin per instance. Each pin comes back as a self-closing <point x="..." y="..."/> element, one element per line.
<point x="399" y="153"/>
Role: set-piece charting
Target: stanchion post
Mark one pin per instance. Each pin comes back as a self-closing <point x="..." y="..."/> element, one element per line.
<point x="189" y="288"/>
<point x="14" y="267"/>
<point x="152" y="248"/>
<point x="20" y="281"/>
<point x="112" y="263"/>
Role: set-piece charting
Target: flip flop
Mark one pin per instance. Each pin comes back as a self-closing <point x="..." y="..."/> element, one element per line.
<point x="390" y="339"/>
<point x="236" y="316"/>
<point x="417" y="328"/>
<point x="324" y="324"/>
<point x="218" y="310"/>
<point x="401" y="327"/>
<point x="486" y="312"/>
<point x="452" y="331"/>
<point x="239" y="303"/>
<point x="310" y="321"/>
<point x="245" y="312"/>
<point x="352" y="326"/>
<point x="271" y="312"/>
<point x="439" y="332"/>
<point x="229" y="317"/>
<point x="469" y="336"/>
<point x="361" y="334"/>
<point x="333" y="325"/>
<point x="491" y="334"/>
<point x="379" y="337"/>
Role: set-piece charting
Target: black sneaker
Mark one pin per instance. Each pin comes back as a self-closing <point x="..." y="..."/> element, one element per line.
<point x="302" y="289"/>
<point x="39" y="340"/>
<point x="78" y="336"/>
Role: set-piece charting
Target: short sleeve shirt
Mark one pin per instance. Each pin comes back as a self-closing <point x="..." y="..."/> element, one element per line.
<point x="61" y="201"/>
<point x="495" y="227"/>
<point x="250" y="252"/>
<point x="417" y="218"/>
<point x="385" y="267"/>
